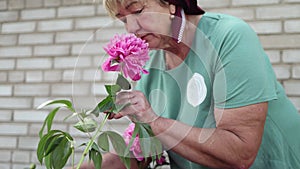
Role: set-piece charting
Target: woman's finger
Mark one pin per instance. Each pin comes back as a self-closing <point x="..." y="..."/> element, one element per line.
<point x="124" y="97"/>
<point x="111" y="115"/>
<point x="118" y="115"/>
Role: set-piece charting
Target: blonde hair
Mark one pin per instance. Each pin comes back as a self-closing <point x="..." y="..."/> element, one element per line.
<point x="111" y="5"/>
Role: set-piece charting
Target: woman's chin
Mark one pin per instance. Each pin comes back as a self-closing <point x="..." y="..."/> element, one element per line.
<point x="155" y="42"/>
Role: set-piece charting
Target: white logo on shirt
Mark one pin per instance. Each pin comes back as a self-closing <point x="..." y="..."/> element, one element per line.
<point x="196" y="90"/>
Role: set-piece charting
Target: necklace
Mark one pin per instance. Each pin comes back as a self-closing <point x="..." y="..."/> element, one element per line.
<point x="181" y="27"/>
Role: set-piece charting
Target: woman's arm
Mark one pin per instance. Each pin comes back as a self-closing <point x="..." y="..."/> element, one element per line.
<point x="233" y="144"/>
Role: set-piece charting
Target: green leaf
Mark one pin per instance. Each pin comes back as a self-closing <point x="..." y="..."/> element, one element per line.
<point x="65" y="103"/>
<point x="32" y="166"/>
<point x="61" y="154"/>
<point x="123" y="82"/>
<point x="145" y="142"/>
<point x="126" y="161"/>
<point x="68" y="136"/>
<point x="42" y="144"/>
<point x="70" y="116"/>
<point x="96" y="156"/>
<point x="83" y="144"/>
<point x="133" y="136"/>
<point x="95" y="111"/>
<point x="52" y="143"/>
<point x="97" y="159"/>
<point x="105" y="105"/>
<point x="157" y="147"/>
<point x="147" y="127"/>
<point x="48" y="121"/>
<point x="95" y="147"/>
<point x="119" y="107"/>
<point x="50" y="118"/>
<point x="87" y="125"/>
<point x="150" y="145"/>
<point x="48" y="163"/>
<point x="112" y="90"/>
<point x="117" y="142"/>
<point x="103" y="141"/>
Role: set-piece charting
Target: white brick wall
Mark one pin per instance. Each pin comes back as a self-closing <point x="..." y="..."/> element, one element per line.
<point x="278" y="12"/>
<point x="291" y="56"/>
<point x="8" y="16"/>
<point x="13" y="129"/>
<point x="6" y="40"/>
<point x="74" y="36"/>
<point x="55" y="25"/>
<point x="7" y="64"/>
<point x="8" y="142"/>
<point x="15" y="51"/>
<point x="296" y="72"/>
<point x="34" y="14"/>
<point x="34" y="63"/>
<point x="52" y="49"/>
<point x="253" y="2"/>
<point x="292" y="26"/>
<point x="266" y="27"/>
<point x="18" y="27"/>
<point x="31" y="39"/>
<point x="77" y="11"/>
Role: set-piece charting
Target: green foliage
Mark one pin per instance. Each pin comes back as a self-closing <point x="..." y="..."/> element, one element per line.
<point x="112" y="90"/>
<point x="49" y="119"/>
<point x="96" y="156"/>
<point x="150" y="145"/>
<point x="86" y="125"/>
<point x="62" y="103"/>
<point x="56" y="147"/>
<point x="123" y="82"/>
<point x="118" y="144"/>
<point x="108" y="104"/>
<point x="103" y="141"/>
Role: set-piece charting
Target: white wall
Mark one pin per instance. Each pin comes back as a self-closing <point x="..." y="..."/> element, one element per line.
<point x="52" y="49"/>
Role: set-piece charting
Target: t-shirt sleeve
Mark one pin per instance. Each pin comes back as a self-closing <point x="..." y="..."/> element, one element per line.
<point x="243" y="74"/>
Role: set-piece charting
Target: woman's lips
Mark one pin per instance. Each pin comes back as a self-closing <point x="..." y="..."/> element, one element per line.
<point x="143" y="36"/>
<point x="146" y="37"/>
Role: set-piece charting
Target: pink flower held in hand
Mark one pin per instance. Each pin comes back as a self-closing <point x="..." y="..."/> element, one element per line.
<point x="127" y="54"/>
<point x="135" y="147"/>
<point x="161" y="160"/>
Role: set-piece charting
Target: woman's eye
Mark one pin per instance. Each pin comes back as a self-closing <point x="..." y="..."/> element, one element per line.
<point x="138" y="11"/>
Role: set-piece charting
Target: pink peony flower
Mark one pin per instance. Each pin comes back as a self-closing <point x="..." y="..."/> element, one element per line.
<point x="127" y="54"/>
<point x="161" y="160"/>
<point x="135" y="147"/>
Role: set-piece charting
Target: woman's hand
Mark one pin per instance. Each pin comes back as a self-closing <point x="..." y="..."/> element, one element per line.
<point x="139" y="109"/>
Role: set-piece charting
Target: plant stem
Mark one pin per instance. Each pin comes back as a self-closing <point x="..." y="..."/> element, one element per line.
<point x="86" y="150"/>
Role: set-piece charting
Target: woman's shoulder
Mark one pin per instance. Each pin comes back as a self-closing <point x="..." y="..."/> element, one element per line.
<point x="221" y="17"/>
<point x="217" y="25"/>
<point x="224" y="22"/>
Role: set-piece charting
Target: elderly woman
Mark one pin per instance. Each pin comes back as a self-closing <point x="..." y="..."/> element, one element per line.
<point x="211" y="96"/>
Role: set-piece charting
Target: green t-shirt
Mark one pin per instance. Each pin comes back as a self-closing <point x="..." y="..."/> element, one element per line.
<point x="225" y="68"/>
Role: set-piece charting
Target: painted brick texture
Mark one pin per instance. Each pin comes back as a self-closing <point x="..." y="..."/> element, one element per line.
<point x="51" y="49"/>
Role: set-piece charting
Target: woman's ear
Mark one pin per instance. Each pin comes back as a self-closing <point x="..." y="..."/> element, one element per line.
<point x="172" y="9"/>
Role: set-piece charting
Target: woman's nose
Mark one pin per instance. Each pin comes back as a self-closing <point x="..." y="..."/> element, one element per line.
<point x="132" y="24"/>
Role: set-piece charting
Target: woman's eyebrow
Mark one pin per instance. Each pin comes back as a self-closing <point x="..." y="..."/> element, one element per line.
<point x="131" y="3"/>
<point x="126" y="7"/>
<point x="118" y="15"/>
